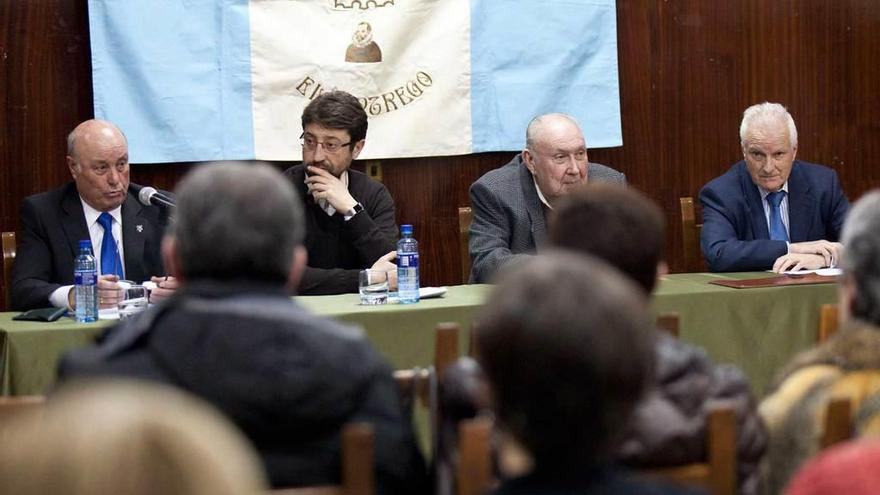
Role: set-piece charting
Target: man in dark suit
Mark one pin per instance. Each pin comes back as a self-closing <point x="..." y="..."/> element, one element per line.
<point x="349" y="217"/>
<point x="511" y="203"/>
<point x="54" y="222"/>
<point x="771" y="210"/>
<point x="233" y="336"/>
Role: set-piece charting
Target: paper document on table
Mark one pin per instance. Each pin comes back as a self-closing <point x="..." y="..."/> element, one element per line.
<point x="824" y="272"/>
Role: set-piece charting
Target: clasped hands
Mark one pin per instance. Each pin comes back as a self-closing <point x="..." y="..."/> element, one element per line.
<point x="810" y="255"/>
<point x="110" y="291"/>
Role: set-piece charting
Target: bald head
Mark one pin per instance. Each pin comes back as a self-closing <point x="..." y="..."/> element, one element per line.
<point x="97" y="156"/>
<point x="547" y="126"/>
<point x="91" y="130"/>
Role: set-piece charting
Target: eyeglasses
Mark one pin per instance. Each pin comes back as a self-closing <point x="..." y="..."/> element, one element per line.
<point x="310" y="143"/>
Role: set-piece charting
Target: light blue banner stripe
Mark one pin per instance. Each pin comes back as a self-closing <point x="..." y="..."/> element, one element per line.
<point x="532" y="57"/>
<point x="184" y="67"/>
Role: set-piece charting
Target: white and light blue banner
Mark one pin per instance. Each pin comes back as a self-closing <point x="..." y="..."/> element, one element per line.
<point x="193" y="80"/>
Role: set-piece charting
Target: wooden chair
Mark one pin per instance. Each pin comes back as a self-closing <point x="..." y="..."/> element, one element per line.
<point x="465" y="217"/>
<point x="669" y="322"/>
<point x="690" y="236"/>
<point x="8" y="260"/>
<point x="357" y="466"/>
<point x="14" y="405"/>
<point x="421" y="384"/>
<point x="828" y="320"/>
<point x="474" y="473"/>
<point x="718" y="474"/>
<point x="838" y="422"/>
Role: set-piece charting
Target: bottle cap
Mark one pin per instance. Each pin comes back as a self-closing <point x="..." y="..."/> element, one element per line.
<point x="406" y="229"/>
<point x="85" y="244"/>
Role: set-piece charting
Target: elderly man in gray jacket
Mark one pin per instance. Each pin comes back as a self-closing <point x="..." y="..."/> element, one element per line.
<point x="511" y="203"/>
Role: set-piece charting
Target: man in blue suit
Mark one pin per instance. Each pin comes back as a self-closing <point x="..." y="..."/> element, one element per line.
<point x="771" y="211"/>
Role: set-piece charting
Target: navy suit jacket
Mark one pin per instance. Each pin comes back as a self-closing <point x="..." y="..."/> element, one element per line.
<point x="735" y="236"/>
<point x="53" y="223"/>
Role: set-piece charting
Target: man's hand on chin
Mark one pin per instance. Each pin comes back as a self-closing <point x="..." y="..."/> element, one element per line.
<point x="797" y="261"/>
<point x="324" y="185"/>
<point x="829" y="251"/>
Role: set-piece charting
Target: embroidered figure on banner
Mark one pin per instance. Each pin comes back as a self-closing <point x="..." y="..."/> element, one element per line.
<point x="363" y="49"/>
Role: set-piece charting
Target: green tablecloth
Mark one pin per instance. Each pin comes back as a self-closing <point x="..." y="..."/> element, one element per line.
<point x="756" y="329"/>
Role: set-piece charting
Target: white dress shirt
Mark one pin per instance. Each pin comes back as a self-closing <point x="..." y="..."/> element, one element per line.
<point x="58" y="298"/>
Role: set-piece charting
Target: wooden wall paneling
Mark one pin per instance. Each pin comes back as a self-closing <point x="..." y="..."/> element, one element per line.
<point x="687" y="70"/>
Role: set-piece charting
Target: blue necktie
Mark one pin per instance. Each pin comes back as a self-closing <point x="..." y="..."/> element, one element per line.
<point x="777" y="228"/>
<point x="110" y="264"/>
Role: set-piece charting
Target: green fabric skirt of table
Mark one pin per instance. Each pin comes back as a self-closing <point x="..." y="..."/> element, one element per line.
<point x="756" y="329"/>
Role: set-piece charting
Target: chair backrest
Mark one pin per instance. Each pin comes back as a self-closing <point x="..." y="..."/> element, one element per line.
<point x="474" y="471"/>
<point x="357" y="465"/>
<point x="718" y="473"/>
<point x="828" y="315"/>
<point x="465" y="217"/>
<point x="669" y="322"/>
<point x="838" y="422"/>
<point x="8" y="260"/>
<point x="22" y="404"/>
<point x="690" y="236"/>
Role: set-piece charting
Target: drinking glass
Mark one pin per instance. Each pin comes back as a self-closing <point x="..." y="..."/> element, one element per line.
<point x="133" y="300"/>
<point x="373" y="287"/>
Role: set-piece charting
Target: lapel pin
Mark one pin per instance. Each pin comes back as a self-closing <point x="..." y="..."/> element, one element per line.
<point x="139" y="228"/>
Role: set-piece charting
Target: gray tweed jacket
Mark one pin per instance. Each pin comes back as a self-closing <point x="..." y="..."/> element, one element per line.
<point x="508" y="218"/>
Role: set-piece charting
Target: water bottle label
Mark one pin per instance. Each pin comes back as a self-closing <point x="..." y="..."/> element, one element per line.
<point x="408" y="260"/>
<point x="86" y="277"/>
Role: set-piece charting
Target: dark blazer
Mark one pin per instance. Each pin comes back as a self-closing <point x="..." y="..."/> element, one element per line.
<point x="735" y="236"/>
<point x="53" y="223"/>
<point x="509" y="216"/>
<point x="337" y="249"/>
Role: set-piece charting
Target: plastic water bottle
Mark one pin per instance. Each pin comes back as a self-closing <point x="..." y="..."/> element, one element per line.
<point x="85" y="281"/>
<point x="407" y="266"/>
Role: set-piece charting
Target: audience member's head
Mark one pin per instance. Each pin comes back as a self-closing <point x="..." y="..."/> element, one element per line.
<point x="618" y="225"/>
<point x="236" y="221"/>
<point x="567" y="346"/>
<point x="334" y="131"/>
<point x="850" y="468"/>
<point x="860" y="288"/>
<point x="97" y="156"/>
<point x="556" y="154"/>
<point x="769" y="144"/>
<point x="104" y="438"/>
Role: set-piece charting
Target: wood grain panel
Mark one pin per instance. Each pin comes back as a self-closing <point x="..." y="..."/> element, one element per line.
<point x="687" y="69"/>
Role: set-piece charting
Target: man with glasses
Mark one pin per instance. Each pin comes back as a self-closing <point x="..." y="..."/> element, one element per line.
<point x="511" y="203"/>
<point x="349" y="217"/>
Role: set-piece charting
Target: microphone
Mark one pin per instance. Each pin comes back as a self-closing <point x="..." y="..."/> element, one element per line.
<point x="150" y="196"/>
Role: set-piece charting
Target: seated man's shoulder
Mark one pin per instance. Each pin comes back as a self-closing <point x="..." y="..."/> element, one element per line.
<point x="815" y="171"/>
<point x="358" y="179"/>
<point x="603" y="173"/>
<point x="51" y="197"/>
<point x="296" y="172"/>
<point x="509" y="173"/>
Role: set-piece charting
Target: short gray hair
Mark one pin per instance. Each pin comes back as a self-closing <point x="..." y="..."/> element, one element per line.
<point x="535" y="125"/>
<point x="767" y="113"/>
<point x="861" y="260"/>
<point x="237" y="221"/>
